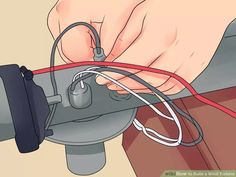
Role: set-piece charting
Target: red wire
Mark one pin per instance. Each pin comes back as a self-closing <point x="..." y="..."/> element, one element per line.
<point x="144" y="68"/>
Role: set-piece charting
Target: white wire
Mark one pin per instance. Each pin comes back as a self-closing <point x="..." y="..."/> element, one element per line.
<point x="137" y="124"/>
<point x="149" y="104"/>
<point x="125" y="88"/>
<point x="145" y="130"/>
<point x="82" y="82"/>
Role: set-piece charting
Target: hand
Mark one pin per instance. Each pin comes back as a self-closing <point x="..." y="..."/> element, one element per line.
<point x="107" y="17"/>
<point x="177" y="36"/>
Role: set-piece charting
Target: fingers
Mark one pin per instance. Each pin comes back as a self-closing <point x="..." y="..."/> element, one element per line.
<point x="100" y="80"/>
<point x="189" y="70"/>
<point x="111" y="28"/>
<point x="76" y="45"/>
<point x="171" y="60"/>
<point x="128" y="35"/>
<point x="163" y="61"/>
<point x="115" y="22"/>
<point x="196" y="55"/>
<point x="131" y="31"/>
<point x="147" y="48"/>
<point x="135" y="54"/>
<point x="171" y="85"/>
<point x="174" y="89"/>
<point x="152" y="78"/>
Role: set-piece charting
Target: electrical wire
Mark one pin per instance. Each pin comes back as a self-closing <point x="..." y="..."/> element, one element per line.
<point x="115" y="64"/>
<point x="145" y="130"/>
<point x="53" y="68"/>
<point x="174" y="117"/>
<point x="124" y="87"/>
<point x="52" y="60"/>
<point x="122" y="65"/>
<point x="153" y="70"/>
<point x="136" y="123"/>
<point x="155" y="90"/>
<point x="82" y="82"/>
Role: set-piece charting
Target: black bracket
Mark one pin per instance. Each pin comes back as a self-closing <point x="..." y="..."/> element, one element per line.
<point x="28" y="106"/>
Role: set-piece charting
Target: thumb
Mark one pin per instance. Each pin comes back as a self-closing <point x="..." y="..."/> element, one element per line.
<point x="124" y="50"/>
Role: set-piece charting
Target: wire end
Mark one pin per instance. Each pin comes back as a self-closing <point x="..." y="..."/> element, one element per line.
<point x="99" y="54"/>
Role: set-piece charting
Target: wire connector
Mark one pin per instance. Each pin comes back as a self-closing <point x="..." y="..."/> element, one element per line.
<point x="80" y="97"/>
<point x="99" y="54"/>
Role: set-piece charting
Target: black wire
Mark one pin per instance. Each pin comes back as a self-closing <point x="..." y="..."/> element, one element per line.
<point x="155" y="90"/>
<point x="52" y="60"/>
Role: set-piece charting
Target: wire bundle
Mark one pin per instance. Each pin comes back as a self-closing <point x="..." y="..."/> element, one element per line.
<point x="163" y="98"/>
<point x="106" y="66"/>
<point x="136" y="123"/>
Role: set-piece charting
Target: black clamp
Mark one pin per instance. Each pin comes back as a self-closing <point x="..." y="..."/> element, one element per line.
<point x="28" y="106"/>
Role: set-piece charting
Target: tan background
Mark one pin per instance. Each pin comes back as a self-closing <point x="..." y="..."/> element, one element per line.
<point x="25" y="40"/>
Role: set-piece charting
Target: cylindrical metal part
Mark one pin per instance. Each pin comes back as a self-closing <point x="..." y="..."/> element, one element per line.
<point x="80" y="97"/>
<point x="54" y="99"/>
<point x="86" y="159"/>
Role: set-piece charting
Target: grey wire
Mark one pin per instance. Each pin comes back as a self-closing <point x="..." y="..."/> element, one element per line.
<point x="52" y="61"/>
<point x="155" y="90"/>
<point x="98" y="48"/>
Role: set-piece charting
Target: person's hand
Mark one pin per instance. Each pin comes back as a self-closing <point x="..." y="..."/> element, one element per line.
<point x="177" y="36"/>
<point x="108" y="17"/>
